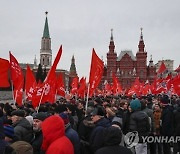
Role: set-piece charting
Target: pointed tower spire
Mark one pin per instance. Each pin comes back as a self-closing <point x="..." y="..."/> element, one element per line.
<point x="111" y="35"/>
<point x="73" y="72"/>
<point x="45" y="51"/>
<point x="111" y="44"/>
<point x="141" y="42"/>
<point x="46" y="28"/>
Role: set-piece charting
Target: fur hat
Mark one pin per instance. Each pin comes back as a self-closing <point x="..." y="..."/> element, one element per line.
<point x="19" y="113"/>
<point x="22" y="147"/>
<point x="135" y="104"/>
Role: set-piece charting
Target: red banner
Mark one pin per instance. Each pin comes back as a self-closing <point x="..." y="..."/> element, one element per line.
<point x="96" y="72"/>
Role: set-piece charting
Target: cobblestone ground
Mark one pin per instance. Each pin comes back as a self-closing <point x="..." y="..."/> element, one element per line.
<point x="6" y="96"/>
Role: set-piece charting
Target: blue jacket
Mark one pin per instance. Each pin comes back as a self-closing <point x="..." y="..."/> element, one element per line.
<point x="72" y="135"/>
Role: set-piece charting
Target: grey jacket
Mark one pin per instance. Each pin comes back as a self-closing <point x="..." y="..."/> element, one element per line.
<point x="23" y="130"/>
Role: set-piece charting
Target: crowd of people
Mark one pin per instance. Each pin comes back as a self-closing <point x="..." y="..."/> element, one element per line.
<point x="67" y="127"/>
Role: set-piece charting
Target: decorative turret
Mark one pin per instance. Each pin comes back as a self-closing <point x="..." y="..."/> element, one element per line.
<point x="111" y="58"/>
<point x="141" y="43"/>
<point x="151" y="70"/>
<point x="151" y="64"/>
<point x="73" y="72"/>
<point x="141" y="60"/>
<point x="111" y="44"/>
<point x="45" y="51"/>
<point x="35" y="62"/>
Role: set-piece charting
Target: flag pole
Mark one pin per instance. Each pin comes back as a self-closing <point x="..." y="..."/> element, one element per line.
<point x="12" y="92"/>
<point x="87" y="97"/>
<point x="40" y="99"/>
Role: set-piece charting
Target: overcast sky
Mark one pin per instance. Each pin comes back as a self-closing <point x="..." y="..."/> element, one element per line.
<point x="80" y="25"/>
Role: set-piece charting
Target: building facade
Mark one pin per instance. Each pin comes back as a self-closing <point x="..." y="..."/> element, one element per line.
<point x="128" y="67"/>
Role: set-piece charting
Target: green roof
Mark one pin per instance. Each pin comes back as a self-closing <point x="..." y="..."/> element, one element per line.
<point x="46" y="30"/>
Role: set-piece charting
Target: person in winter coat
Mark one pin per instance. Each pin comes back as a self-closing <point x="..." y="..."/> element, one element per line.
<point x="177" y="126"/>
<point x="149" y="112"/>
<point x="4" y="145"/>
<point x="36" y="143"/>
<point x="167" y="122"/>
<point x="96" y="138"/>
<point x="71" y="133"/>
<point x="84" y="130"/>
<point x="139" y="121"/>
<point x="157" y="118"/>
<point x="112" y="140"/>
<point x="22" y="127"/>
<point x="54" y="139"/>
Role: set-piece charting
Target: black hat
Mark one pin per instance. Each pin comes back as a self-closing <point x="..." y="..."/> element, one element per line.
<point x="98" y="111"/>
<point x="98" y="100"/>
<point x="19" y="113"/>
<point x="40" y="116"/>
<point x="164" y="99"/>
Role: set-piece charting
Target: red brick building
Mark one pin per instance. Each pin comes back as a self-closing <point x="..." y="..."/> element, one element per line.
<point x="128" y="67"/>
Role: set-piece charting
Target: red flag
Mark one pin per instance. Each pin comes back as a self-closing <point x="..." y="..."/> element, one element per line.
<point x="60" y="86"/>
<point x="17" y="79"/>
<point x="50" y="81"/>
<point x="135" y="89"/>
<point x="176" y="84"/>
<point x="74" y="85"/>
<point x="37" y="94"/>
<point x="56" y="61"/>
<point x="4" y="66"/>
<point x="146" y="88"/>
<point x="107" y="88"/>
<point x="47" y="90"/>
<point x="96" y="72"/>
<point x="30" y="84"/>
<point x="116" y="85"/>
<point x="162" y="68"/>
<point x="163" y="85"/>
<point x="82" y="87"/>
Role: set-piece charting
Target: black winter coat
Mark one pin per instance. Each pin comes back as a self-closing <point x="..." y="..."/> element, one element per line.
<point x="177" y="122"/>
<point x="37" y="142"/>
<point x="96" y="138"/>
<point x="167" y="118"/>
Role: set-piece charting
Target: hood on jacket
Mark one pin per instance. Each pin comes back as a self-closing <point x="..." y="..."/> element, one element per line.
<point x="113" y="136"/>
<point x="52" y="129"/>
<point x="24" y="123"/>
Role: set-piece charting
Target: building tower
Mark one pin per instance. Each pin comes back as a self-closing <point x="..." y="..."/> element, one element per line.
<point x="151" y="72"/>
<point x="111" y="59"/>
<point x="72" y="71"/>
<point x="45" y="51"/>
<point x="141" y="57"/>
